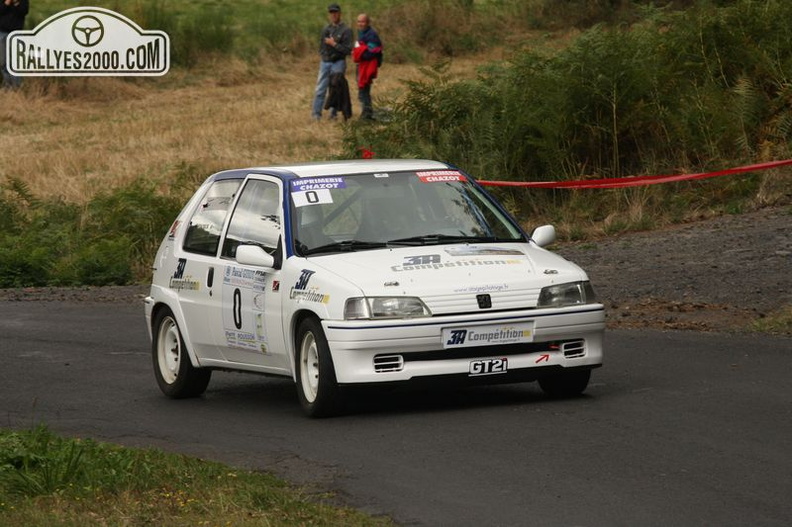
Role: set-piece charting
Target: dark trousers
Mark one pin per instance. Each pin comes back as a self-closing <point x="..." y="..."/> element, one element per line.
<point x="364" y="96"/>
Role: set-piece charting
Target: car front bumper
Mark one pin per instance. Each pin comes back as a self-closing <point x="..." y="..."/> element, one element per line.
<point x="378" y="351"/>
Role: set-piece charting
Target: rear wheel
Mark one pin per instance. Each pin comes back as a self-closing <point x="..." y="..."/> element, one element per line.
<point x="317" y="387"/>
<point x="175" y="374"/>
<point x="566" y="384"/>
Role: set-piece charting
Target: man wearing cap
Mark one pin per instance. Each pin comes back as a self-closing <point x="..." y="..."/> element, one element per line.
<point x="334" y="46"/>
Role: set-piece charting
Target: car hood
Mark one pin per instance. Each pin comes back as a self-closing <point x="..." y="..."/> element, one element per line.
<point x="449" y="277"/>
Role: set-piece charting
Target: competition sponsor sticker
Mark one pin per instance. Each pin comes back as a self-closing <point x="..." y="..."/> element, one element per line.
<point x="440" y="176"/>
<point x="244" y="297"/>
<point x="311" y="197"/>
<point x="488" y="335"/>
<point x="174" y="229"/>
<point x="314" y="191"/>
<point x="412" y="264"/>
<point x="317" y="183"/>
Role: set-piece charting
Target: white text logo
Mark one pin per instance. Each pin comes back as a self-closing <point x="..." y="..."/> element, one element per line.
<point x="88" y="42"/>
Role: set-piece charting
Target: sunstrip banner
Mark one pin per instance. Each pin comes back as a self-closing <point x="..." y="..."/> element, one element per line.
<point x="635" y="181"/>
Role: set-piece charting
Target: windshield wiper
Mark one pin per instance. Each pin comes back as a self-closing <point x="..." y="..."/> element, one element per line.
<point x="433" y="239"/>
<point x="344" y="246"/>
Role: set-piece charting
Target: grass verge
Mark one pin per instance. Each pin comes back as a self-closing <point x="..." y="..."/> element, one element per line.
<point x="777" y="323"/>
<point x="47" y="480"/>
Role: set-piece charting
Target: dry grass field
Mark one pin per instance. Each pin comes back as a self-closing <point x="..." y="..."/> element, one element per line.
<point x="71" y="138"/>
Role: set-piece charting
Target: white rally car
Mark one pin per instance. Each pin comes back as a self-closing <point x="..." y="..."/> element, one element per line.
<point x="364" y="272"/>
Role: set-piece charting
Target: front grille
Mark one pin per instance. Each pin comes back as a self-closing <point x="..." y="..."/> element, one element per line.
<point x="474" y="352"/>
<point x="574" y="348"/>
<point x="392" y="363"/>
<point x="466" y="302"/>
<point x="388" y="363"/>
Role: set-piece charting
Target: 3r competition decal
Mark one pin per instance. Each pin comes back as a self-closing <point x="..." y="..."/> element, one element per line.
<point x="490" y="335"/>
<point x="434" y="262"/>
<point x="302" y="293"/>
<point x="179" y="282"/>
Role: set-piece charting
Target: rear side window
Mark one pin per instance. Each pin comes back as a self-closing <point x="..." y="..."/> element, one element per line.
<point x="206" y="224"/>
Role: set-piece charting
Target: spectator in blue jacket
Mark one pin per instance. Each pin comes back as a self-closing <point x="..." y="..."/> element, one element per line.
<point x="334" y="46"/>
<point x="368" y="56"/>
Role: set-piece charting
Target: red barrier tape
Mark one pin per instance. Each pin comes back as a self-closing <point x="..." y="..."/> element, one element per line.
<point x="634" y="181"/>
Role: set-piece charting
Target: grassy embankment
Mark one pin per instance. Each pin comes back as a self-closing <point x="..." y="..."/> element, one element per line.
<point x="48" y="481"/>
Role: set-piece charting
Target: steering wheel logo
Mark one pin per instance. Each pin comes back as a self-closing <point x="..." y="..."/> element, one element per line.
<point x="87" y="31"/>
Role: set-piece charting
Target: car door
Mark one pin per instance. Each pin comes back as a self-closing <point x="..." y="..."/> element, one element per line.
<point x="250" y="331"/>
<point x="194" y="277"/>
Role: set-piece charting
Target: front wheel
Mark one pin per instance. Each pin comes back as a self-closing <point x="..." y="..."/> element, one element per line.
<point x="175" y="374"/>
<point x="317" y="387"/>
<point x="566" y="384"/>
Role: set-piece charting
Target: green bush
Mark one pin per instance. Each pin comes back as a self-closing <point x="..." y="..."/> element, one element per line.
<point x="105" y="242"/>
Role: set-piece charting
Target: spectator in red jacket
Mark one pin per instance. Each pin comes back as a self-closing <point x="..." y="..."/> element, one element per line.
<point x="368" y="56"/>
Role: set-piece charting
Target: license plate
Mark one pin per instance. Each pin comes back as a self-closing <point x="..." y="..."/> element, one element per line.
<point x="488" y="366"/>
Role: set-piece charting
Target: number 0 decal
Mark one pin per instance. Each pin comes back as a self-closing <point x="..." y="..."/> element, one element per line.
<point x="311" y="197"/>
<point x="238" y="308"/>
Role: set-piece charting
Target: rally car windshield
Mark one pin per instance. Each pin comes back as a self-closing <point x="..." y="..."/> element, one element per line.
<point x="371" y="211"/>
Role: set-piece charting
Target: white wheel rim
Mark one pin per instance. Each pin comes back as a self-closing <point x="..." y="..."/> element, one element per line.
<point x="309" y="367"/>
<point x="169" y="350"/>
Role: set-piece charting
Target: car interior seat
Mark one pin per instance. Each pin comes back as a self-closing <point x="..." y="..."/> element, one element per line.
<point x="310" y="227"/>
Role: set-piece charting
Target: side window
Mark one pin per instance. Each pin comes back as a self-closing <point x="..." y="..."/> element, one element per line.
<point x="206" y="224"/>
<point x="256" y="218"/>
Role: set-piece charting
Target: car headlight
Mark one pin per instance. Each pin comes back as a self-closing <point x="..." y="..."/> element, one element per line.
<point x="385" y="307"/>
<point x="569" y="294"/>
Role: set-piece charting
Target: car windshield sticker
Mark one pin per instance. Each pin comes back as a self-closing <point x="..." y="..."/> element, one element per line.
<point x="311" y="197"/>
<point x="243" y="308"/>
<point x="440" y="176"/>
<point x="476" y="250"/>
<point x="314" y="191"/>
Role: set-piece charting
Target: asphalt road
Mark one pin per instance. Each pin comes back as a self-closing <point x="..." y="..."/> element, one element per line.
<point x="678" y="428"/>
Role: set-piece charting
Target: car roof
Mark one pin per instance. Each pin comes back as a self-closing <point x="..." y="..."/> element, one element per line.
<point x="335" y="168"/>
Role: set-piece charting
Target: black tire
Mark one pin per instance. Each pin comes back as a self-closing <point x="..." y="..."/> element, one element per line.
<point x="317" y="387"/>
<point x="566" y="384"/>
<point x="175" y="374"/>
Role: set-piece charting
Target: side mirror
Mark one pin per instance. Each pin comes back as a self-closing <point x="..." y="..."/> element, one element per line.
<point x="544" y="235"/>
<point x="254" y="255"/>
